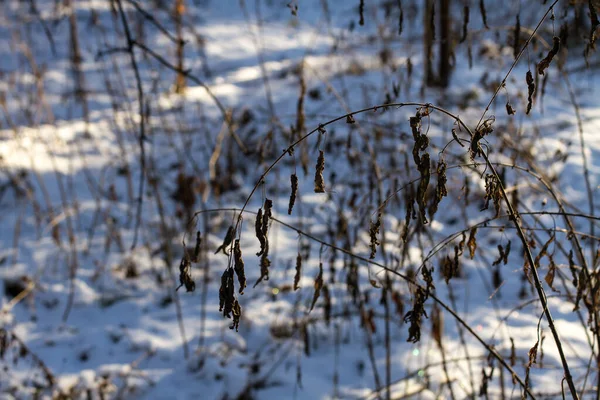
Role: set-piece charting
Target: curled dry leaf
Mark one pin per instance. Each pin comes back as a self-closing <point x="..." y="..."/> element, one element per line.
<point x="185" y="275"/>
<point x="259" y="233"/>
<point x="239" y="265"/>
<point x="545" y="63"/>
<point x="472" y="243"/>
<point x="373" y="232"/>
<point x="227" y="240"/>
<point x="318" y="286"/>
<point x="294" y="183"/>
<point x="226" y="293"/>
<point x="530" y="91"/>
<point x="298" y="275"/>
<point x="319" y="181"/>
<point x="197" y="247"/>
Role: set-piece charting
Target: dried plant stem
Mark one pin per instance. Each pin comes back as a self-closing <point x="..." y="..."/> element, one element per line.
<point x="349" y="253"/>
<point x="142" y="122"/>
<point x="515" y="217"/>
<point x="517" y="58"/>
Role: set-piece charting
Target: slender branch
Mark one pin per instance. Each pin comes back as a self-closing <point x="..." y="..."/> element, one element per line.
<point x="142" y="133"/>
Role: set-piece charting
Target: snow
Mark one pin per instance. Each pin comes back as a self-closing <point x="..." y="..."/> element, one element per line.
<point x="69" y="185"/>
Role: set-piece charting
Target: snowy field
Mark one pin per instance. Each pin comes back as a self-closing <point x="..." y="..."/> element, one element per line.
<point x="95" y="302"/>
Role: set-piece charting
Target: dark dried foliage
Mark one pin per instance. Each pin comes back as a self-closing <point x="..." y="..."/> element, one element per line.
<point x="493" y="193"/>
<point x="400" y="18"/>
<point x="298" y="274"/>
<point x="259" y="233"/>
<point x="227" y="240"/>
<point x="361" y="12"/>
<point x="185" y="275"/>
<point x="545" y="63"/>
<point x="239" y="265"/>
<point x="440" y="191"/>
<point x="197" y="247"/>
<point x="465" y="25"/>
<point x="265" y="263"/>
<point x="503" y="254"/>
<point x="226" y="293"/>
<point x="472" y="243"/>
<point x="482" y="130"/>
<point x="425" y="171"/>
<point x="236" y="312"/>
<point x="319" y="181"/>
<point x="483" y="13"/>
<point x="415" y="315"/>
<point x="373" y="232"/>
<point x="318" y="286"/>
<point x="510" y="109"/>
<point x="326" y="304"/>
<point x="293" y="194"/>
<point x="517" y="37"/>
<point x="530" y="91"/>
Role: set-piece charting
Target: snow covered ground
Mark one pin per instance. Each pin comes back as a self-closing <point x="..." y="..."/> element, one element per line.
<point x="83" y="314"/>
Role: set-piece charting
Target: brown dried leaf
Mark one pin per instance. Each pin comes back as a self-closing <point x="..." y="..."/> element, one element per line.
<point x="319" y="181"/>
<point x="530" y="91"/>
<point x="472" y="243"/>
<point x="185" y="277"/>
<point x="227" y="240"/>
<point x="373" y="232"/>
<point x="298" y="275"/>
<point x="226" y="293"/>
<point x="294" y="183"/>
<point x="318" y="286"/>
<point x="197" y="247"/>
<point x="239" y="265"/>
<point x="545" y="63"/>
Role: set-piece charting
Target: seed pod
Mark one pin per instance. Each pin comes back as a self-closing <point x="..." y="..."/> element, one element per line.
<point x="294" y="182"/>
<point x="319" y="181"/>
<point x="239" y="265"/>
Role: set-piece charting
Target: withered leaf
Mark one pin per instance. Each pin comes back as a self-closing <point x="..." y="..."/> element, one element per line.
<point x="530" y="91"/>
<point x="227" y="240"/>
<point x="239" y="265"/>
<point x="545" y="63"/>
<point x="472" y="243"/>
<point x="237" y="314"/>
<point x="294" y="184"/>
<point x="319" y="181"/>
<point x="373" y="232"/>
<point x="197" y="247"/>
<point x="318" y="286"/>
<point x="226" y="293"/>
<point x="298" y="275"/>
<point x="185" y="277"/>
